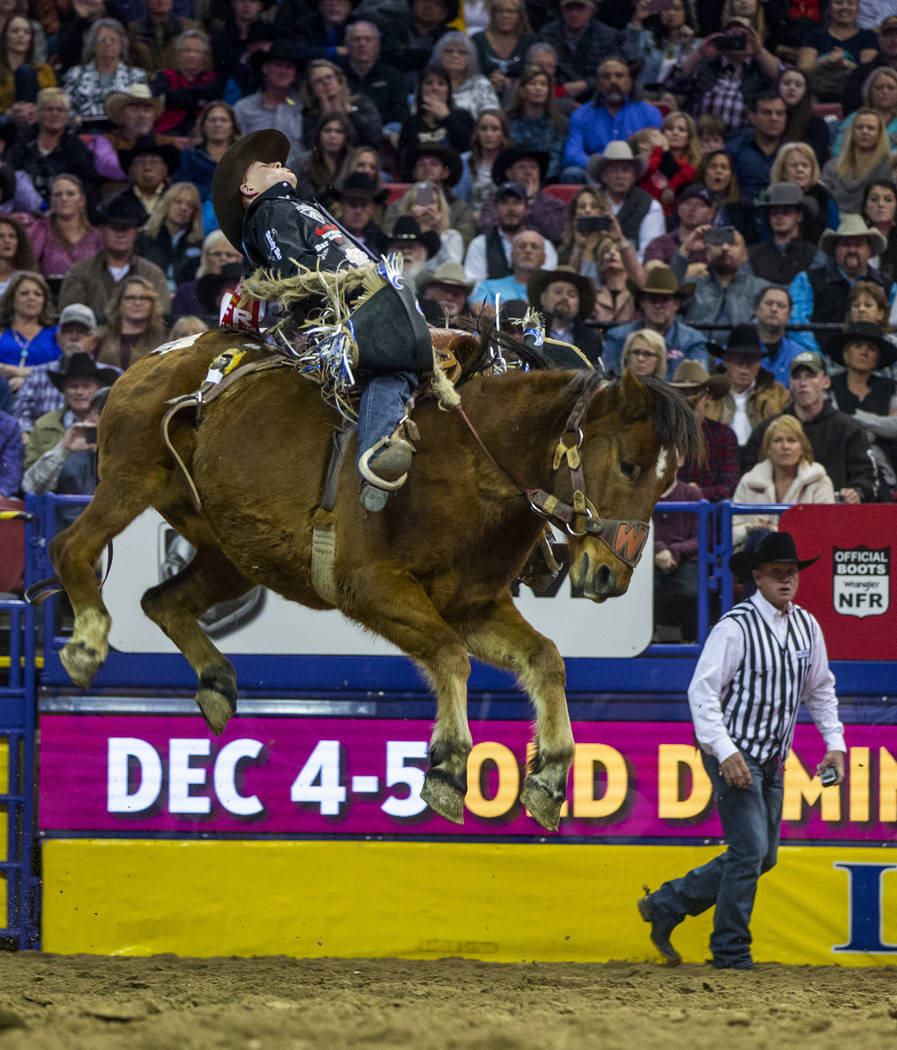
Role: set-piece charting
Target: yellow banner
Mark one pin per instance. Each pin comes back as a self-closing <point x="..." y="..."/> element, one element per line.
<point x="499" y="902"/>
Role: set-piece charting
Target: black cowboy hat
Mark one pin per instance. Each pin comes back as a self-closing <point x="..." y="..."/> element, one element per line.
<point x="862" y="332"/>
<point x="280" y="51"/>
<point x="150" y="144"/>
<point x="266" y="146"/>
<point x="210" y="286"/>
<point x="511" y="155"/>
<point x="358" y="186"/>
<point x="407" y="228"/>
<point x="83" y="366"/>
<point x="446" y="154"/>
<point x="743" y="339"/>
<point x="122" y="210"/>
<point x="541" y="279"/>
<point x="776" y="547"/>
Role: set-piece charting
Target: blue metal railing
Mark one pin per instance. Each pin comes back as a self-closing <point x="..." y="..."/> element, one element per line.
<point x="18" y="703"/>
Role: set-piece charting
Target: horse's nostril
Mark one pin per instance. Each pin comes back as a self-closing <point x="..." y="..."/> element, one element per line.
<point x="604" y="579"/>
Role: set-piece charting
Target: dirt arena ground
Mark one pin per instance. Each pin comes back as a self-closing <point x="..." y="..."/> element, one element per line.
<point x="51" y="1002"/>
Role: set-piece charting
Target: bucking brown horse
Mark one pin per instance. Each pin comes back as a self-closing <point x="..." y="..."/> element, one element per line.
<point x="431" y="573"/>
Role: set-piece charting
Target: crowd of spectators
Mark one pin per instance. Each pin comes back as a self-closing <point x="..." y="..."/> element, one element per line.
<point x="701" y="192"/>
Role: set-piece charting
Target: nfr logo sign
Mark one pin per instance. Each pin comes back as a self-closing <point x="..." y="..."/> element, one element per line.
<point x="861" y="580"/>
<point x="864" y="909"/>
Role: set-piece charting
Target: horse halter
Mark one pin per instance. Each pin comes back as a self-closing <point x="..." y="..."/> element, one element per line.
<point x="624" y="538"/>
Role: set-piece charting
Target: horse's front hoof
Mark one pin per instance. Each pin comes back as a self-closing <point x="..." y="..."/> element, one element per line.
<point x="217" y="699"/>
<point x="81" y="662"/>
<point x="543" y="806"/>
<point x="443" y="798"/>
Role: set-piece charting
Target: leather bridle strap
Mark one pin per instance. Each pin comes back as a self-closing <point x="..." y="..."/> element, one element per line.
<point x="625" y="539"/>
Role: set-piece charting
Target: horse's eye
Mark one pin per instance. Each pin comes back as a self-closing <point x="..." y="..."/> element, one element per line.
<point x="631" y="470"/>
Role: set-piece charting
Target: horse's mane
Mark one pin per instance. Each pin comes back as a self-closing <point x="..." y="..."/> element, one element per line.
<point x="491" y="339"/>
<point x="674" y="420"/>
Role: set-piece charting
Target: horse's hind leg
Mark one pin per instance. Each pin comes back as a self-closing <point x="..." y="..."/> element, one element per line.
<point x="499" y="635"/>
<point x="394" y="605"/>
<point x="176" y="605"/>
<point x="74" y="553"/>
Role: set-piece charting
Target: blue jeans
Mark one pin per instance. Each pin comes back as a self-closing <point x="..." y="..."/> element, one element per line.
<point x="751" y="818"/>
<point x="382" y="407"/>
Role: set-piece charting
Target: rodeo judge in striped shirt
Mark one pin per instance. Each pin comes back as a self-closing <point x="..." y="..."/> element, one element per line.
<point x="760" y="661"/>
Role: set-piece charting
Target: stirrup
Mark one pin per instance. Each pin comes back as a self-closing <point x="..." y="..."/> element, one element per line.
<point x="368" y="471"/>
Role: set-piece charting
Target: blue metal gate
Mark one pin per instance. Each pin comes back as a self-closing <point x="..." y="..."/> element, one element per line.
<point x="20" y="922"/>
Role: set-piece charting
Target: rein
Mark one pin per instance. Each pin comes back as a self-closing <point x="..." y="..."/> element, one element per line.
<point x="624" y="538"/>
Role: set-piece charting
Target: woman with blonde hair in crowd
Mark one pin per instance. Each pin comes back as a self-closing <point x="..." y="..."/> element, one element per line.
<point x="880" y="94"/>
<point x="217" y="252"/>
<point x="172" y="237"/>
<point x="796" y="162"/>
<point x="134" y="325"/>
<point x="673" y="158"/>
<point x="785" y="473"/>
<point x="866" y="157"/>
<point x="325" y="91"/>
<point x="470" y="89"/>
<point x="426" y="203"/>
<point x="644" y="354"/>
<point x="28" y="323"/>
<point x="490" y="137"/>
<point x="501" y="46"/>
<point x="189" y="324"/>
<point x="613" y="299"/>
<point x="63" y="236"/>
<point x="535" y="119"/>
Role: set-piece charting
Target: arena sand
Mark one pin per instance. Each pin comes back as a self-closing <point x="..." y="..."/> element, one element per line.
<point x="54" y="1002"/>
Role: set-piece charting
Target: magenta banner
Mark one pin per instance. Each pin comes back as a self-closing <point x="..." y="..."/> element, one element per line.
<point x="356" y="777"/>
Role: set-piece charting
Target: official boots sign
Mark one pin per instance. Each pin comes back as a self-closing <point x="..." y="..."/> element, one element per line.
<point x="861" y="581"/>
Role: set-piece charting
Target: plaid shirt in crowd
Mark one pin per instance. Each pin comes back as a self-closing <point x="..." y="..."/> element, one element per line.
<point x="719" y="475"/>
<point x="37" y="395"/>
<point x="726" y="99"/>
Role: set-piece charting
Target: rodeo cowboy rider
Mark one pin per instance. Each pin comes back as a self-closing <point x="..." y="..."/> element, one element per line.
<point x="263" y="216"/>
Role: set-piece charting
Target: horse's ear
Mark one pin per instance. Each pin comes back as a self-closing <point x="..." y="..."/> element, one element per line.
<point x="634" y="398"/>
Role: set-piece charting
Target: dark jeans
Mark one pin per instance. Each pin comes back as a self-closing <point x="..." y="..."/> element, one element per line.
<point x="382" y="407"/>
<point x="676" y="598"/>
<point x="751" y="818"/>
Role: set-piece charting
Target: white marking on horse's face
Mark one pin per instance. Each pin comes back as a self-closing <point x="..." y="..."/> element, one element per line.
<point x="663" y="463"/>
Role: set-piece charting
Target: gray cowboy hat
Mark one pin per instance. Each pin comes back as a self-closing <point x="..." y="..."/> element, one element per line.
<point x="776" y="547"/>
<point x="862" y="332"/>
<point x="450" y="273"/>
<point x="266" y="146"/>
<point x="788" y="195"/>
<point x="543" y="278"/>
<point x="139" y="93"/>
<point x="660" y="280"/>
<point x="853" y="225"/>
<point x="691" y="377"/>
<point x="614" y="151"/>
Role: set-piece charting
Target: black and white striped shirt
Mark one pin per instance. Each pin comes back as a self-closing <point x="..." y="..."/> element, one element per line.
<point x="757" y="665"/>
